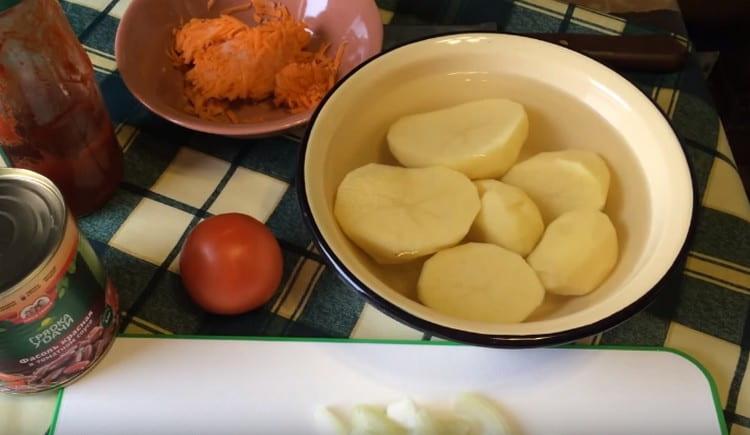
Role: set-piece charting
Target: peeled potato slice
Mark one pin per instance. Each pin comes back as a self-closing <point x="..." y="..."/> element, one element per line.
<point x="482" y="138"/>
<point x="561" y="181"/>
<point x="577" y="252"/>
<point x="481" y="282"/>
<point x="508" y="218"/>
<point x="398" y="214"/>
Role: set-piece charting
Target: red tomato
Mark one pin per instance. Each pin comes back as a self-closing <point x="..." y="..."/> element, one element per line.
<point x="230" y="264"/>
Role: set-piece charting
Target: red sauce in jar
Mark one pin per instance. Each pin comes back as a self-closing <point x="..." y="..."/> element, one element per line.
<point x="52" y="117"/>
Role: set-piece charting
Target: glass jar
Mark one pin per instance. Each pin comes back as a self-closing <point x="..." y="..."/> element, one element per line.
<point x="52" y="117"/>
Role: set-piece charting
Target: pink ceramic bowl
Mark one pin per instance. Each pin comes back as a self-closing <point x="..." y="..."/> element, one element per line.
<point x="145" y="33"/>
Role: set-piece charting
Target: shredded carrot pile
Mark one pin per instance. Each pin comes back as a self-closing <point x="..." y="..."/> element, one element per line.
<point x="228" y="61"/>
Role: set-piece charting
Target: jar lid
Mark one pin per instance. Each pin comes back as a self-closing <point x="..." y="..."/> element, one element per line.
<point x="32" y="224"/>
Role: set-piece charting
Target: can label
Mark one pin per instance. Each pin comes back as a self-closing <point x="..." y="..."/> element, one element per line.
<point x="57" y="325"/>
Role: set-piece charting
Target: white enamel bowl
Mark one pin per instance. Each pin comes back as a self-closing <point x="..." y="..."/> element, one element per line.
<point x="572" y="102"/>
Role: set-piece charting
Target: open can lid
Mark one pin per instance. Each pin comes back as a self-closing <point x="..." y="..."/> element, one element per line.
<point x="32" y="224"/>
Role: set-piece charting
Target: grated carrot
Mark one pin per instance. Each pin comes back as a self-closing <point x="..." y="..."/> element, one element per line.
<point x="301" y="85"/>
<point x="230" y="61"/>
<point x="232" y="116"/>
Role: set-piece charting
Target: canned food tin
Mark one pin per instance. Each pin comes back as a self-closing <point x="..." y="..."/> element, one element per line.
<point x="58" y="310"/>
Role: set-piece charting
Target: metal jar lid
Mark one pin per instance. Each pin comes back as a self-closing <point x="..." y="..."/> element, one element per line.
<point x="32" y="224"/>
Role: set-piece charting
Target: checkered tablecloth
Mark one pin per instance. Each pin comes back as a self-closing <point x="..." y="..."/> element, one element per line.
<point x="175" y="177"/>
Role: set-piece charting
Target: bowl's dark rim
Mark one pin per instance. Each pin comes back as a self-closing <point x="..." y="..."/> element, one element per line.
<point x="490" y="340"/>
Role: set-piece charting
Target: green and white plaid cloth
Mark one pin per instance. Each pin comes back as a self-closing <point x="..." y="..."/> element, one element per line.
<point x="175" y="177"/>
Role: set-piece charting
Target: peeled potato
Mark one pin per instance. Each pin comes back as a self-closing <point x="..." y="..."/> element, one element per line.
<point x="577" y="252"/>
<point x="481" y="282"/>
<point x="482" y="138"/>
<point x="398" y="214"/>
<point x="561" y="181"/>
<point x="508" y="218"/>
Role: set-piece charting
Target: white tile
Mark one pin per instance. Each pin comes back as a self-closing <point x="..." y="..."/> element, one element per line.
<point x="99" y="5"/>
<point x="174" y="266"/>
<point x="598" y="21"/>
<point x="546" y="6"/>
<point x="588" y="341"/>
<point x="191" y="177"/>
<point x="718" y="356"/>
<point x="92" y="4"/>
<point x="374" y="324"/>
<point x="725" y="192"/>
<point x="386" y="16"/>
<point x="297" y="291"/>
<point x="151" y="231"/>
<point x="101" y="62"/>
<point x="120" y="8"/>
<point x="743" y="401"/>
<point x="126" y="134"/>
<point x="251" y="193"/>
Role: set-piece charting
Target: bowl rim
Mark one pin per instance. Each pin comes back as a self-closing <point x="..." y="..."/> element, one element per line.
<point x="246" y="129"/>
<point x="488" y="340"/>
